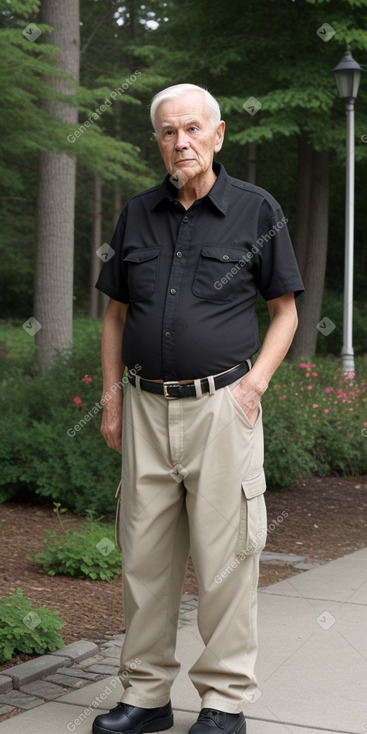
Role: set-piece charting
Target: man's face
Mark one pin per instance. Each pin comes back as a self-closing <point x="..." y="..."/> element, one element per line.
<point x="186" y="136"/>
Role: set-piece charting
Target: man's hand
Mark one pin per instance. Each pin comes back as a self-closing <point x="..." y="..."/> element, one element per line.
<point x="248" y="395"/>
<point x="111" y="427"/>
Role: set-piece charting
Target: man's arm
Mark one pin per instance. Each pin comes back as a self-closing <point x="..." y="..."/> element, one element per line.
<point x="278" y="338"/>
<point x="113" y="368"/>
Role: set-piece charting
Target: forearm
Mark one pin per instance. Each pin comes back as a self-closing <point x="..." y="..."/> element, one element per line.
<point x="112" y="365"/>
<point x="113" y="368"/>
<point x="277" y="341"/>
<point x="278" y="338"/>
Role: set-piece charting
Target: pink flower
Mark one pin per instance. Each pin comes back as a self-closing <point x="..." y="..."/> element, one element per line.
<point x="350" y="409"/>
<point x="86" y="378"/>
<point x="77" y="400"/>
<point x="328" y="389"/>
<point x="315" y="405"/>
<point x="276" y="387"/>
<point x="352" y="393"/>
<point x="307" y="374"/>
<point x="335" y="402"/>
<point x="350" y="376"/>
<point x="283" y="397"/>
<point x="315" y="374"/>
<point x="365" y="423"/>
<point x="309" y="387"/>
<point x="302" y="364"/>
<point x="326" y="410"/>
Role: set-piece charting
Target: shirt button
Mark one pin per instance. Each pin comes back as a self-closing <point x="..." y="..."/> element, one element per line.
<point x="167" y="334"/>
<point x="185" y="219"/>
<point x="225" y="257"/>
<point x="173" y="291"/>
<point x="179" y="254"/>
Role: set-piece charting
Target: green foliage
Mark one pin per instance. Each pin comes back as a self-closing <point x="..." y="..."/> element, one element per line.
<point x="315" y="421"/>
<point x="50" y="445"/>
<point x="332" y="307"/>
<point x="105" y="140"/>
<point x="88" y="552"/>
<point x="27" y="630"/>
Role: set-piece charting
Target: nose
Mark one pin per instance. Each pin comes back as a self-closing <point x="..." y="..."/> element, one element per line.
<point x="182" y="142"/>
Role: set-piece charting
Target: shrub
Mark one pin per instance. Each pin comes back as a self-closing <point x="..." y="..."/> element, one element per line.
<point x="89" y="552"/>
<point x="27" y="630"/>
<point x="315" y="420"/>
<point x="50" y="441"/>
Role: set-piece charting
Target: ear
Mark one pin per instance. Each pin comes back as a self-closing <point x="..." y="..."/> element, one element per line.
<point x="219" y="136"/>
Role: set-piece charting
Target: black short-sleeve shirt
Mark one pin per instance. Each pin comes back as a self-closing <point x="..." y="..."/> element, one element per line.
<point x="191" y="278"/>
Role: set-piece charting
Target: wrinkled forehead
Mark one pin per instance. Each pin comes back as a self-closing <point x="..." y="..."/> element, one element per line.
<point x="185" y="108"/>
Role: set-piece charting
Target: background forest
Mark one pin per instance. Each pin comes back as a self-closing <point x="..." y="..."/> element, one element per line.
<point x="76" y="143"/>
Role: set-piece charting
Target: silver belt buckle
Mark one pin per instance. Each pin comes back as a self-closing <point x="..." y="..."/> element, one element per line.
<point x="165" y="385"/>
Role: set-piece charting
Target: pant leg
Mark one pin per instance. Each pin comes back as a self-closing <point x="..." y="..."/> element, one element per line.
<point x="154" y="539"/>
<point x="227" y="519"/>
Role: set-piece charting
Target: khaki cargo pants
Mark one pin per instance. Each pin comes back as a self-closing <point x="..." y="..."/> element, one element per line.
<point x="192" y="481"/>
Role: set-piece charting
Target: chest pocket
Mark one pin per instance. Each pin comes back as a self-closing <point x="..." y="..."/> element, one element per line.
<point x="142" y="271"/>
<point x="221" y="273"/>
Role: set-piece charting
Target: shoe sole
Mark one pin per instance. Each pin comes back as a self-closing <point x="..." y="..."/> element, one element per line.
<point x="152" y="726"/>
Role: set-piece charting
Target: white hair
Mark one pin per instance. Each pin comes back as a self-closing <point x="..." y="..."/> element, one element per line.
<point x="176" y="91"/>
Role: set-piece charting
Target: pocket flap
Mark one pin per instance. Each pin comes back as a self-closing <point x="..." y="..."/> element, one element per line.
<point x="223" y="254"/>
<point x="255" y="485"/>
<point x="142" y="254"/>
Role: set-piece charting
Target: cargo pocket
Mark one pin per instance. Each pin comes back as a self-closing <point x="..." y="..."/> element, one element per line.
<point x="253" y="520"/>
<point x="117" y="517"/>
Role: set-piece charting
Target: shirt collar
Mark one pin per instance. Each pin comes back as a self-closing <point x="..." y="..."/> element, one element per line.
<point x="218" y="194"/>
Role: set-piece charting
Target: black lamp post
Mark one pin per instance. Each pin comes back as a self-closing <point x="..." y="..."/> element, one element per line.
<point x="347" y="75"/>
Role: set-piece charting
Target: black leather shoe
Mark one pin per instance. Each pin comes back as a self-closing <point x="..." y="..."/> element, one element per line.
<point x="211" y="721"/>
<point x="126" y="719"/>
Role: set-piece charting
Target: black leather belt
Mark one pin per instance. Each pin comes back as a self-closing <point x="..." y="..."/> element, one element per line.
<point x="173" y="389"/>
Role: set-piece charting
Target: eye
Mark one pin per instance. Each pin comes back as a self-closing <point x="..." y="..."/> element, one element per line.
<point x="193" y="128"/>
<point x="168" y="132"/>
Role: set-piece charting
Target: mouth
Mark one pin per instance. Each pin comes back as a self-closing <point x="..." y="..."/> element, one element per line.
<point x="184" y="160"/>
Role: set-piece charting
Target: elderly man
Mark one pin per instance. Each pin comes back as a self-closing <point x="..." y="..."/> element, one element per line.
<point x="188" y="259"/>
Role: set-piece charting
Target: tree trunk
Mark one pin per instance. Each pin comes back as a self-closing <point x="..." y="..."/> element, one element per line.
<point x="309" y="304"/>
<point x="96" y="243"/>
<point x="303" y="200"/>
<point x="251" y="163"/>
<point x="116" y="203"/>
<point x="53" y="301"/>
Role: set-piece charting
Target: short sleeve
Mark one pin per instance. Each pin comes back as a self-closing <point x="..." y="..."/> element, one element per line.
<point x="112" y="279"/>
<point x="278" y="271"/>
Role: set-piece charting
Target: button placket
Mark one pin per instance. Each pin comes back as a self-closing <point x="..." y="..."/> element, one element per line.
<point x="179" y="260"/>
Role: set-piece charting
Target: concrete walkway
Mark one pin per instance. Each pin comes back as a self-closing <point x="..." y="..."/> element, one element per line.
<point x="312" y="664"/>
